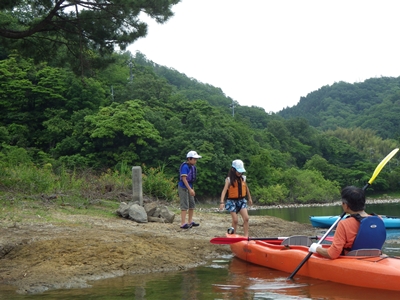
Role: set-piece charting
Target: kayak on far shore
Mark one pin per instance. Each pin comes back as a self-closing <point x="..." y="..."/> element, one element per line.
<point x="391" y="222"/>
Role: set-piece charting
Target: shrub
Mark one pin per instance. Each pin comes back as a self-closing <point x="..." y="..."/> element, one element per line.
<point x="271" y="195"/>
<point x="157" y="184"/>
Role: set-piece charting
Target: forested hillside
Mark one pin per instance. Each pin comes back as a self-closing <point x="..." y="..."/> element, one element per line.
<point x="122" y="110"/>
<point x="373" y="104"/>
<point x="114" y="119"/>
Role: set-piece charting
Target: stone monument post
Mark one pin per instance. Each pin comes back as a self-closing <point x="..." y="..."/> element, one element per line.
<point x="137" y="185"/>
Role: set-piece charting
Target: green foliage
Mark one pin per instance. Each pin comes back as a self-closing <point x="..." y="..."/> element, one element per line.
<point x="13" y="155"/>
<point x="298" y="186"/>
<point x="157" y="184"/>
<point x="24" y="177"/>
<point x="118" y="132"/>
<point x="365" y="140"/>
<point x="77" y="32"/>
<point x="393" y="178"/>
<point x="309" y="186"/>
<point x="187" y="88"/>
<point x="4" y="135"/>
<point x="373" y="104"/>
<point x="117" y="179"/>
<point x="260" y="169"/>
<point x="33" y="102"/>
<point x="274" y="194"/>
<point x="75" y="127"/>
<point x="332" y="172"/>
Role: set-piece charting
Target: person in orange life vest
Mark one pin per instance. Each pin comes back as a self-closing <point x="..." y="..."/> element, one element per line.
<point x="187" y="176"/>
<point x="238" y="191"/>
<point x="353" y="202"/>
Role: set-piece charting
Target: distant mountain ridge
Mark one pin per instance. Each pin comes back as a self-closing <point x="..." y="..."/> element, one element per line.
<point x="373" y="104"/>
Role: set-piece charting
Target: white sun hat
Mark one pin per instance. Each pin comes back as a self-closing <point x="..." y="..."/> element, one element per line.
<point x="193" y="154"/>
<point x="238" y="165"/>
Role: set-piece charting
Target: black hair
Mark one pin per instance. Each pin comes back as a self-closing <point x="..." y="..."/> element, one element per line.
<point x="232" y="176"/>
<point x="354" y="197"/>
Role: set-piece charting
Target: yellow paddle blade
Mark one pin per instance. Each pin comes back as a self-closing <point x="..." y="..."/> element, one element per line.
<point x="382" y="164"/>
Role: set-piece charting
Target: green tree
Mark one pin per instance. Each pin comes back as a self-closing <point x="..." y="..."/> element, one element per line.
<point x="260" y="168"/>
<point x="117" y="133"/>
<point x="38" y="101"/>
<point x="332" y="172"/>
<point x="309" y="186"/>
<point x="39" y="28"/>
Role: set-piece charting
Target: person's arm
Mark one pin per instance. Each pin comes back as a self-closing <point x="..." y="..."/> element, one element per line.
<point x="249" y="196"/>
<point x="338" y="243"/>
<point x="317" y="248"/>
<point x="223" y="193"/>
<point x="186" y="183"/>
<point x="322" y="251"/>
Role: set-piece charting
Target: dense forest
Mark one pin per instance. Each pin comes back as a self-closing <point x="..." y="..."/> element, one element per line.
<point x="373" y="104"/>
<point x="113" y="109"/>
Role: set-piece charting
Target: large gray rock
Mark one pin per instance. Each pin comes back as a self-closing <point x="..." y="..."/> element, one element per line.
<point x="156" y="219"/>
<point x="137" y="213"/>
<point x="156" y="213"/>
<point x="166" y="214"/>
<point x="123" y="210"/>
<point x="150" y="212"/>
<point x="150" y="208"/>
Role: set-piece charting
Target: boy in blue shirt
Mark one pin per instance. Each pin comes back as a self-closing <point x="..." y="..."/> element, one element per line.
<point x="187" y="176"/>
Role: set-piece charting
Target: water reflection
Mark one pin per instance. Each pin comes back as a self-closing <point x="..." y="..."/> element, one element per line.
<point x="247" y="281"/>
<point x="224" y="278"/>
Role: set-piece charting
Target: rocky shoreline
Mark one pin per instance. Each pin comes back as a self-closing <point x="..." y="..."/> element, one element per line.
<point x="336" y="203"/>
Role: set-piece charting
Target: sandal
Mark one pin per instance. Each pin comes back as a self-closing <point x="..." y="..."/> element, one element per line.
<point x="193" y="224"/>
<point x="185" y="226"/>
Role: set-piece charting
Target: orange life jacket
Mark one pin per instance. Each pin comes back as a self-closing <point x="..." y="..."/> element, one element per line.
<point x="239" y="191"/>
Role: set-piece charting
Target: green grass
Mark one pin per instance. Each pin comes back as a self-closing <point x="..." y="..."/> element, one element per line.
<point x="37" y="194"/>
<point x="22" y="209"/>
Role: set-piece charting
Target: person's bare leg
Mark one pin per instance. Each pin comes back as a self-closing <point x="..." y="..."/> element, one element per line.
<point x="183" y="217"/>
<point x="234" y="221"/>
<point x="190" y="217"/>
<point x="245" y="217"/>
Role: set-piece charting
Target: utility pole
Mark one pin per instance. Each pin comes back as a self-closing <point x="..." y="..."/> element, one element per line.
<point x="233" y="108"/>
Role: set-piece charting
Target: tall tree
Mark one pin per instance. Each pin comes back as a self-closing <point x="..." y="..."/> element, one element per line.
<point x="117" y="132"/>
<point x="40" y="28"/>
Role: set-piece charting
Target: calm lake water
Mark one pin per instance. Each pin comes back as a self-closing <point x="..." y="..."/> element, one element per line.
<point x="230" y="278"/>
<point x="301" y="214"/>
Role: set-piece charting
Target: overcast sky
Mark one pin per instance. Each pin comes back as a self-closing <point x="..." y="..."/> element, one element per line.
<point x="271" y="53"/>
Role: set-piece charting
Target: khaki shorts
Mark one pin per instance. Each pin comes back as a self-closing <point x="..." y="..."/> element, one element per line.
<point x="187" y="201"/>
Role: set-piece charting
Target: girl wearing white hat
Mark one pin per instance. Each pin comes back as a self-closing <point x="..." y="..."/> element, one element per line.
<point x="238" y="191"/>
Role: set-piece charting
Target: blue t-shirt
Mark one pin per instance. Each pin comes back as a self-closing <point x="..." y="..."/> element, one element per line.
<point x="185" y="169"/>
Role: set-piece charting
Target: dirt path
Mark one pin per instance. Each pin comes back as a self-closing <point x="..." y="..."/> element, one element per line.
<point x="35" y="257"/>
